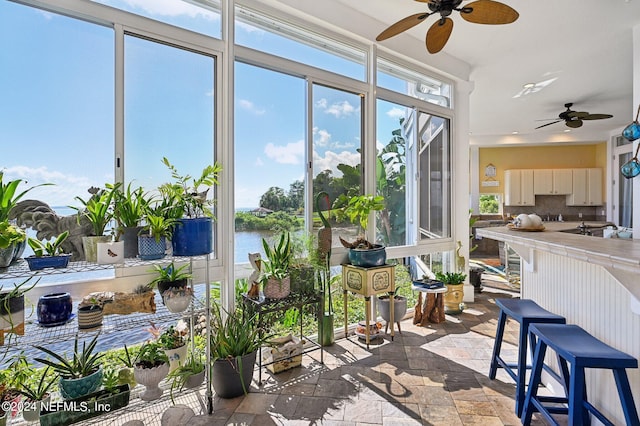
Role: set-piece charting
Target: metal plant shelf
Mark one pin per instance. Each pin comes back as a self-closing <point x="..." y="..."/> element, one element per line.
<point x="20" y="268"/>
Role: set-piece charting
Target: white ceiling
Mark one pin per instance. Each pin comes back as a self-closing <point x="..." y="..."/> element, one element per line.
<point x="583" y="48"/>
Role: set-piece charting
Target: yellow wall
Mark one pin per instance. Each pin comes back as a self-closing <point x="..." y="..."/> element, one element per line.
<point x="539" y="157"/>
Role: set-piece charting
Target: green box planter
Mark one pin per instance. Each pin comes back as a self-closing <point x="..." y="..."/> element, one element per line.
<point x="88" y="406"/>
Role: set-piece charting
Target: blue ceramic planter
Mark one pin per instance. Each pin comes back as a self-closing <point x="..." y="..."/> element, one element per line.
<point x="54" y="309"/>
<point x="368" y="258"/>
<point x="150" y="249"/>
<point x="193" y="237"/>
<point x="75" y="388"/>
<point x="43" y="262"/>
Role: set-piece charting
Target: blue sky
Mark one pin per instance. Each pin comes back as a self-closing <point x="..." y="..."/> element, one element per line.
<point x="57" y="112"/>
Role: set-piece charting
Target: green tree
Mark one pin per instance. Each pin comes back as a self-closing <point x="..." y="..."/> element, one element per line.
<point x="488" y="204"/>
<point x="274" y="199"/>
<point x="296" y="195"/>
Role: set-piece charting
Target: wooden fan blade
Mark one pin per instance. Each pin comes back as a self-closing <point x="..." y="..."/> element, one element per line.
<point x="438" y="35"/>
<point x="577" y="114"/>
<point x="489" y="12"/>
<point x="574" y="124"/>
<point x="402" y="25"/>
<point x="548" y="124"/>
<point x="596" y="116"/>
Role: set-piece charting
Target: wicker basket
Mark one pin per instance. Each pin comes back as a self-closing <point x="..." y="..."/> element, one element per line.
<point x="276" y="289"/>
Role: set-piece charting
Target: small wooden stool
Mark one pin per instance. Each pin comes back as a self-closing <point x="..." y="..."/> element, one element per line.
<point x="432" y="310"/>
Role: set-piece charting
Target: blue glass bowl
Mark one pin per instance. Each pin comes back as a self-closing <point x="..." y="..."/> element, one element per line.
<point x="630" y="169"/>
<point x="632" y="131"/>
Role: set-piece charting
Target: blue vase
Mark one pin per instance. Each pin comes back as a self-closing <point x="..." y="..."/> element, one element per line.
<point x="632" y="131"/>
<point x="193" y="237"/>
<point x="54" y="309"/>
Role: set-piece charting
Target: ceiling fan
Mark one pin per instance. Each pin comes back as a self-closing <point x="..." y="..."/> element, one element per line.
<point x="477" y="12"/>
<point x="574" y="119"/>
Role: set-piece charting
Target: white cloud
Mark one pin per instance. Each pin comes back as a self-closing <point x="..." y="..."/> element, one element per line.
<point x="251" y="107"/>
<point x="332" y="159"/>
<point x="291" y="153"/>
<point x="173" y="8"/>
<point x="67" y="186"/>
<point x="340" y="109"/>
<point x="259" y="162"/>
<point x="321" y="136"/>
<point x="321" y="103"/>
<point x="396" y="112"/>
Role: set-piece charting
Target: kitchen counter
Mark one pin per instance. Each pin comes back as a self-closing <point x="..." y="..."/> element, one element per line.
<point x="591" y="281"/>
<point x="620" y="257"/>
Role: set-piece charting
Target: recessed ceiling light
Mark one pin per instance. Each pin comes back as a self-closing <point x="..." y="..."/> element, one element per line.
<point x="514" y="133"/>
<point x="529" y="86"/>
<point x="567" y="130"/>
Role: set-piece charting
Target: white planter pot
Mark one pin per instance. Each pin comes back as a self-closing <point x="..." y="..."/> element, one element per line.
<point x="90" y="246"/>
<point x="176" y="356"/>
<point x="177" y="304"/>
<point x="111" y="252"/>
<point x="32" y="413"/>
<point x="150" y="378"/>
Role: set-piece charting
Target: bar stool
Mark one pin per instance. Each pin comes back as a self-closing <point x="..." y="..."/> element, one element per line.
<point x="525" y="312"/>
<point x="574" y="345"/>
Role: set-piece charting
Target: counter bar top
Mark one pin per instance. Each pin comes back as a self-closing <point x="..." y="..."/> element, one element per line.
<point x="620" y="257"/>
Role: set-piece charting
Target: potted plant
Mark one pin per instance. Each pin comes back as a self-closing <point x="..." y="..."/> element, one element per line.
<point x="129" y="210"/>
<point x="173" y="341"/>
<point x="170" y="276"/>
<point x="36" y="392"/>
<point x="399" y="308"/>
<point x="455" y="290"/>
<point x="193" y="232"/>
<point x="301" y="267"/>
<point x="12" y="309"/>
<point x="189" y="375"/>
<point x="152" y="239"/>
<point x="48" y="254"/>
<point x="276" y="278"/>
<point x="106" y="400"/>
<point x="17" y="373"/>
<point x="177" y="299"/>
<point x="90" y="315"/>
<point x="98" y="210"/>
<point x="125" y="375"/>
<point x="357" y="210"/>
<point x="235" y="340"/>
<point x="80" y="374"/>
<point x="9" y="197"/>
<point x="11" y="238"/>
<point x="150" y="367"/>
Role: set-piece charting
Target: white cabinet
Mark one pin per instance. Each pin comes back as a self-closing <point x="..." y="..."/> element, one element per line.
<point x="587" y="188"/>
<point x="552" y="181"/>
<point x="518" y="188"/>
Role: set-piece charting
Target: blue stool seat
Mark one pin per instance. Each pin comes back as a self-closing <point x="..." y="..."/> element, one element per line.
<point x="525" y="312"/>
<point x="581" y="350"/>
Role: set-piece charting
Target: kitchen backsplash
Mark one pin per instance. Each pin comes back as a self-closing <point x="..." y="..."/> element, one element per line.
<point x="554" y="205"/>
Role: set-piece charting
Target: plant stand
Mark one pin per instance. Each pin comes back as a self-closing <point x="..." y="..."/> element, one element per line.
<point x="368" y="282"/>
<point x="263" y="306"/>
<point x="433" y="308"/>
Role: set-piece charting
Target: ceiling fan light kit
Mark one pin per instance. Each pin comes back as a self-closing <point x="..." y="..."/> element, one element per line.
<point x="574" y="119"/>
<point x="478" y="12"/>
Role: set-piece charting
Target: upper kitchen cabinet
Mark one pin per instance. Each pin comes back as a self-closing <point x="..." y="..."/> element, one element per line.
<point x="518" y="188"/>
<point x="587" y="188"/>
<point x="552" y="181"/>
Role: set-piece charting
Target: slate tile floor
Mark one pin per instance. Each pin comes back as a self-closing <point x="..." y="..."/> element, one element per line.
<point x="432" y="375"/>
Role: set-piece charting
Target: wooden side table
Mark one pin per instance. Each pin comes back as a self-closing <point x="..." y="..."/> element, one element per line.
<point x="367" y="282"/>
<point x="433" y="308"/>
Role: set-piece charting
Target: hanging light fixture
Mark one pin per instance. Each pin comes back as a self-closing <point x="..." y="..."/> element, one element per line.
<point x="631" y="133"/>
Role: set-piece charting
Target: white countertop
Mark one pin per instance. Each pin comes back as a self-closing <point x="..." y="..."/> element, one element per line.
<point x="621" y="257"/>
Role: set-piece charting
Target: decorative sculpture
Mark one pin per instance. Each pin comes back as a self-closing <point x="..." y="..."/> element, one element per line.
<point x="47" y="224"/>
<point x="255" y="261"/>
